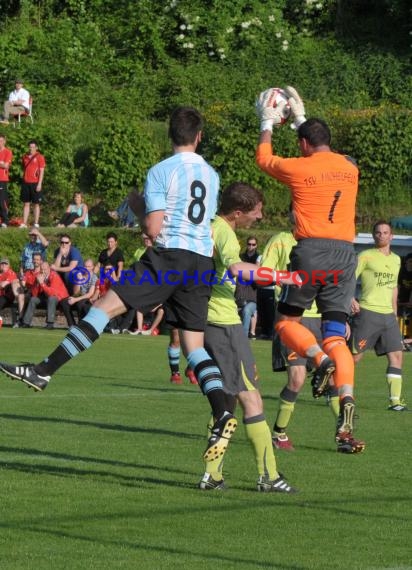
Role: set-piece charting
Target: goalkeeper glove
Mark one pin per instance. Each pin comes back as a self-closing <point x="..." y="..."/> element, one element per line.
<point x="296" y="106"/>
<point x="270" y="110"/>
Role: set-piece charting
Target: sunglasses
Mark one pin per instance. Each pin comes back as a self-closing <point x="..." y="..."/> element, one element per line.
<point x="252" y="244"/>
<point x="65" y="242"/>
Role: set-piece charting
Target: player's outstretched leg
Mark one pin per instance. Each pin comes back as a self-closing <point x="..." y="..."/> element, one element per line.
<point x="79" y="338"/>
<point x="27" y="374"/>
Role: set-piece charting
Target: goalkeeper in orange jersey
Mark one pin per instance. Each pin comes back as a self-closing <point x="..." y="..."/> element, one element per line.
<point x="323" y="186"/>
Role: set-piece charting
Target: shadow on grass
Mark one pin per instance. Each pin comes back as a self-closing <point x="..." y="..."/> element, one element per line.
<point x="117" y="478"/>
<point x="198" y="557"/>
<point x="31" y="452"/>
<point x="170" y="389"/>
<point x="100" y="425"/>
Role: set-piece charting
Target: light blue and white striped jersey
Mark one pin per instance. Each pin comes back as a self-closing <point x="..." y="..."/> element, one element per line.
<point x="186" y="187"/>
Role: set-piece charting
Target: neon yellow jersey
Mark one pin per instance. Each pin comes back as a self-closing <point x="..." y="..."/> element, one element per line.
<point x="138" y="253"/>
<point x="379" y="277"/>
<point x="222" y="305"/>
<point x="276" y="256"/>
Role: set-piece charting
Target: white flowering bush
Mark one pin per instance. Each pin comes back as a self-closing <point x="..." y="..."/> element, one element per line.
<point x="219" y="29"/>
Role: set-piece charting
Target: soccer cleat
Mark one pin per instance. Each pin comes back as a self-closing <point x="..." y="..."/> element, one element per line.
<point x="209" y="484"/>
<point x="279" y="485"/>
<point x="190" y="375"/>
<point x="281" y="441"/>
<point x="115" y="331"/>
<point x="26" y="374"/>
<point x="346" y="443"/>
<point x="175" y="378"/>
<point x="399" y="407"/>
<point x="136" y="332"/>
<point x="321" y="376"/>
<point x="222" y="431"/>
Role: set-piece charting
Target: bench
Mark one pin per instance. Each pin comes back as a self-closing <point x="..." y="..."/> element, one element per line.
<point x="9" y="315"/>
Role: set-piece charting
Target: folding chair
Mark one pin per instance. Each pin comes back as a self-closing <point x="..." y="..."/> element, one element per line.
<point x="17" y="118"/>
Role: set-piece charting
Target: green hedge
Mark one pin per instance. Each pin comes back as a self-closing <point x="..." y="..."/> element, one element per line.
<point x="105" y="75"/>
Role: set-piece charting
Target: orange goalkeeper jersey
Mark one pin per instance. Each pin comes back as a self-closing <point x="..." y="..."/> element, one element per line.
<point x="324" y="187"/>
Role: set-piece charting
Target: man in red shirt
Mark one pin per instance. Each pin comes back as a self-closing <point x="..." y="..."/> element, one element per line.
<point x="6" y="157"/>
<point x="47" y="289"/>
<point x="34" y="164"/>
<point x="7" y="276"/>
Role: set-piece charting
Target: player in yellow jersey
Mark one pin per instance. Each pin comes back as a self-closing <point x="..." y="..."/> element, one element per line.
<point x="323" y="186"/>
<point x="375" y="324"/>
<point x="276" y="256"/>
<point x="227" y="343"/>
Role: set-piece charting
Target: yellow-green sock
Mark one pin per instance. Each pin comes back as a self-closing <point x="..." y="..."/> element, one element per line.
<point x="334" y="401"/>
<point x="258" y="433"/>
<point x="334" y="405"/>
<point x="286" y="407"/>
<point x="394" y="380"/>
<point x="215" y="468"/>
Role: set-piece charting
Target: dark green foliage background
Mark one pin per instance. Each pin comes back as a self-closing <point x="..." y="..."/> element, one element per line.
<point x="105" y="75"/>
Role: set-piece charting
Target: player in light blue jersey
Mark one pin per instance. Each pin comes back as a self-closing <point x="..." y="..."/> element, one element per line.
<point x="181" y="199"/>
<point x="185" y="187"/>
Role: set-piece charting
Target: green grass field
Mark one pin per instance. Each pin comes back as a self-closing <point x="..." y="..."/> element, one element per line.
<point x="100" y="471"/>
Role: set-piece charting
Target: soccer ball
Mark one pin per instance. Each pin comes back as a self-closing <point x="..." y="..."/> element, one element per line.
<point x="277" y="96"/>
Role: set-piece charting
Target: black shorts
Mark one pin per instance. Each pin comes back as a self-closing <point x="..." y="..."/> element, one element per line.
<point x="176" y="278"/>
<point x="327" y="269"/>
<point x="375" y="330"/>
<point x="28" y="193"/>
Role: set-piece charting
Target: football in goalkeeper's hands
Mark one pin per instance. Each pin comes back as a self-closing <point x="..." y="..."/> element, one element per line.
<point x="276" y="98"/>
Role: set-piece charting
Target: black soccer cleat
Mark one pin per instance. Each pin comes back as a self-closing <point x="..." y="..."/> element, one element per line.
<point x="279" y="485"/>
<point x="222" y="431"/>
<point x="26" y="374"/>
<point x="321" y="377"/>
<point x="346" y="443"/>
<point x="209" y="484"/>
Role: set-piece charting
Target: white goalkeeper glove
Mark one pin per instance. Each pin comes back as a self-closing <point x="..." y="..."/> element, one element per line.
<point x="270" y="110"/>
<point x="296" y="106"/>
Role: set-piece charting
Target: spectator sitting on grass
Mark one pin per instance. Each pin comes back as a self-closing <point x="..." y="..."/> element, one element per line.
<point x="76" y="215"/>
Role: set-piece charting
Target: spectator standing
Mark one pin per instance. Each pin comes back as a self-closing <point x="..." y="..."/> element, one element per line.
<point x="246" y="294"/>
<point x="17" y="103"/>
<point x="6" y="157"/>
<point x="77" y="213"/>
<point x="66" y="258"/>
<point x="251" y="254"/>
<point x="374" y="324"/>
<point x="112" y="256"/>
<point x="34" y="165"/>
<point x="37" y="244"/>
